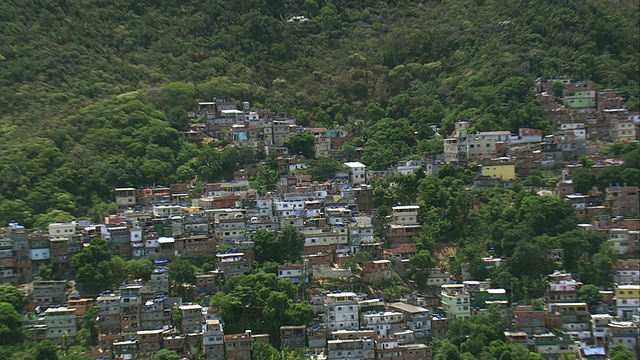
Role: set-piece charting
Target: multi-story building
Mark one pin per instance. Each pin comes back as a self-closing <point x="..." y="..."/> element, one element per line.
<point x="625" y="333"/>
<point x="600" y="328"/>
<point x="357" y="172"/>
<point x="627" y="301"/>
<point x="81" y="306"/>
<point x="622" y="200"/>
<point x="417" y="318"/>
<point x="208" y="283"/>
<point x="610" y="100"/>
<point x="199" y="245"/>
<point x="626" y="273"/>
<point x="125" y="350"/>
<point x="40" y="250"/>
<point x="437" y="278"/>
<point x="230" y="227"/>
<point x="119" y="238"/>
<point x="130" y="307"/>
<point x="360" y="232"/>
<point x="213" y="340"/>
<point x="325" y="240"/>
<point x="562" y="288"/>
<point x="579" y="95"/>
<point x="623" y="131"/>
<point x="167" y="211"/>
<point x="49" y="292"/>
<point x="125" y="197"/>
<point x="160" y="280"/>
<point x="20" y="244"/>
<point x="550" y="346"/>
<point x="376" y="271"/>
<point x="62" y="230"/>
<point x="528" y="320"/>
<point x="317" y="336"/>
<point x="238" y="346"/>
<point x="341" y="311"/>
<point x="154" y="314"/>
<point x="191" y="318"/>
<point x="455" y="301"/>
<point x="403" y="225"/>
<point x="108" y="306"/>
<point x="293" y="337"/>
<point x="575" y="319"/>
<point x="501" y="168"/>
<point x="351" y="349"/>
<point x="384" y="323"/>
<point x="158" y="194"/>
<point x="149" y="341"/>
<point x="61" y="323"/>
<point x="297" y="273"/>
<point x="624" y="241"/>
<point x="232" y="264"/>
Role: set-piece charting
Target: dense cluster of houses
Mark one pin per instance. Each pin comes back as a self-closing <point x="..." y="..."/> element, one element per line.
<point x="336" y="219"/>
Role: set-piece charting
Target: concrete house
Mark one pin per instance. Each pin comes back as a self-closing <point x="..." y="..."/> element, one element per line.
<point x="357" y="172"/>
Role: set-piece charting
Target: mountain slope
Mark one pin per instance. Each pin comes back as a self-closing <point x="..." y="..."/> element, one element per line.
<point x="66" y="131"/>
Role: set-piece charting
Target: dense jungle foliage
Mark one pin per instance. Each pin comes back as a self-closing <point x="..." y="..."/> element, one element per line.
<point x="92" y="92"/>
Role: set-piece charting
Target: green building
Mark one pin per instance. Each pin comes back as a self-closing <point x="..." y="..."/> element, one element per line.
<point x="579" y="95"/>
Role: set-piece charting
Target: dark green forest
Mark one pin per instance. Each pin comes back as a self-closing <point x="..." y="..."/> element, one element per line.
<point x="93" y="93"/>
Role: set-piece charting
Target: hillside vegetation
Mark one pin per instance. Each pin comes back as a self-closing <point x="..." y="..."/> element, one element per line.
<point x="92" y="92"/>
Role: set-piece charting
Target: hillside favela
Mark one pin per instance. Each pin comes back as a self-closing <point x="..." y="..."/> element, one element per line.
<point x="319" y="179"/>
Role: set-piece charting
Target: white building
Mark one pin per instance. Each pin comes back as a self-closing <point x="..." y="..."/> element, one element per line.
<point x="341" y="311"/>
<point x="213" y="340"/>
<point x="571" y="126"/>
<point x="62" y="230"/>
<point x="384" y="323"/>
<point x="600" y="328"/>
<point x="290" y="208"/>
<point x="357" y="172"/>
<point x="166" y="211"/>
<point x="405" y="214"/>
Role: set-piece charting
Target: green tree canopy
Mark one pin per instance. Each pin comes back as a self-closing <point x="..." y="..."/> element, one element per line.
<point x="182" y="271"/>
<point x="323" y="168"/>
<point x="139" y="269"/>
<point x="619" y="352"/>
<point x="301" y="144"/>
<point x="285" y="246"/>
<point x="10" y="325"/>
<point x="12" y="295"/>
<point x="45" y="350"/>
<point x="95" y="268"/>
<point x="590" y="294"/>
<point x="261" y="302"/>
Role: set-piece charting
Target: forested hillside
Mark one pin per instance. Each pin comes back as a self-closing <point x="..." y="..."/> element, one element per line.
<point x="92" y="92"/>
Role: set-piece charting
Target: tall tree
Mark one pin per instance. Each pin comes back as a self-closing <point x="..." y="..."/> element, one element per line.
<point x="95" y="268"/>
<point x="45" y="350"/>
<point x="301" y="144"/>
<point x="279" y="248"/>
<point x="182" y="271"/>
<point x="12" y="295"/>
<point x="139" y="269"/>
<point x="10" y="325"/>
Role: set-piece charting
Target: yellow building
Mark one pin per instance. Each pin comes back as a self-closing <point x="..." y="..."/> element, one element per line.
<point x="504" y="172"/>
<point x="627" y="300"/>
